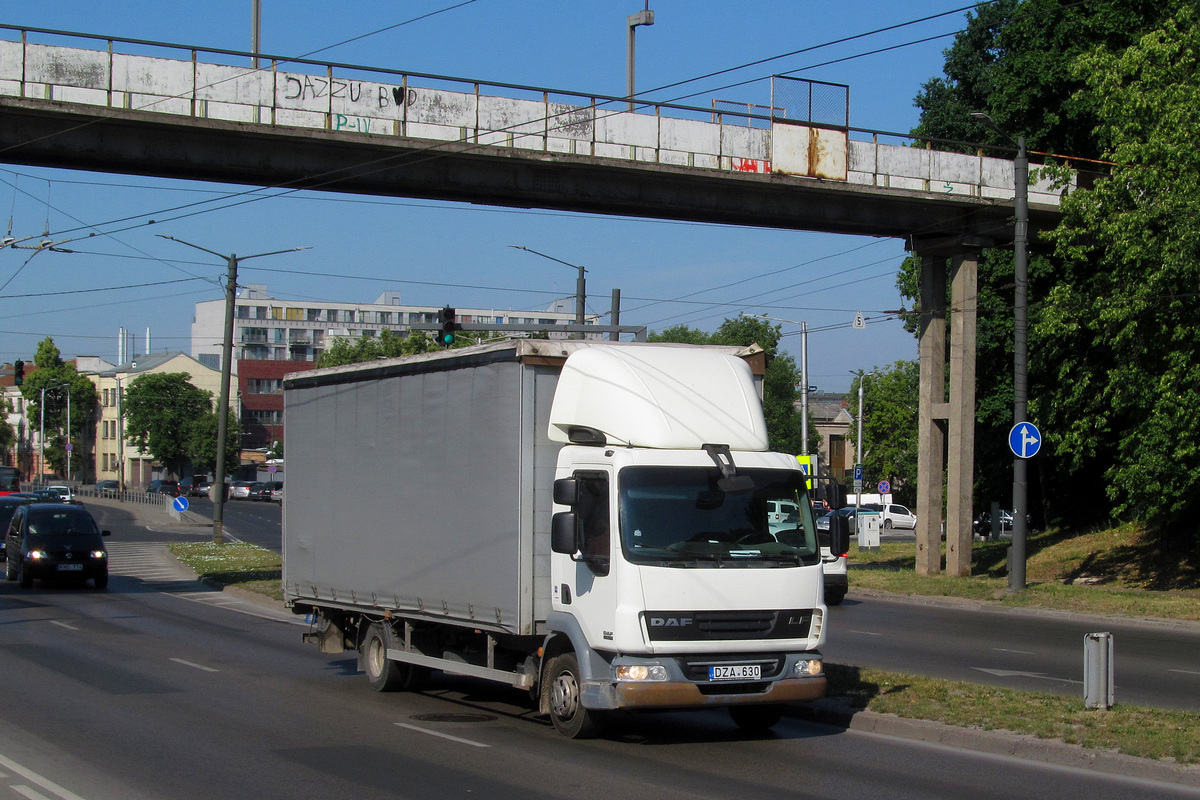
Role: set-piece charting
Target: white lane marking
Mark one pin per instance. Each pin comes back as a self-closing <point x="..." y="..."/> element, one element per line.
<point x="1184" y="671"/>
<point x="442" y="735"/>
<point x="33" y="777"/>
<point x="1018" y="652"/>
<point x="865" y="633"/>
<point x="1014" y="673"/>
<point x="63" y="625"/>
<point x="194" y="665"/>
<point x="30" y="793"/>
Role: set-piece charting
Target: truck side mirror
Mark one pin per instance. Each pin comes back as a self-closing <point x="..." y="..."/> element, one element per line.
<point x="562" y="529"/>
<point x="566" y="491"/>
<point x="839" y="535"/>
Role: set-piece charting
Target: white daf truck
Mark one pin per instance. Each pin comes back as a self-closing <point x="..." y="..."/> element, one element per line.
<point x="587" y="521"/>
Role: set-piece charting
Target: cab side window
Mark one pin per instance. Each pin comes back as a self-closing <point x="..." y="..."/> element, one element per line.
<point x="593" y="519"/>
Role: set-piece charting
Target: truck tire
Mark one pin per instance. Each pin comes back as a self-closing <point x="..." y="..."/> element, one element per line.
<point x="567" y="713"/>
<point x="756" y="719"/>
<point x="386" y="675"/>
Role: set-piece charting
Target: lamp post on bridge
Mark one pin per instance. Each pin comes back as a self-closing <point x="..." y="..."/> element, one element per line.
<point x="645" y="17"/>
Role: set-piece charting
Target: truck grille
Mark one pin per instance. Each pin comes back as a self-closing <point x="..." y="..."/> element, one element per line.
<point x="677" y="626"/>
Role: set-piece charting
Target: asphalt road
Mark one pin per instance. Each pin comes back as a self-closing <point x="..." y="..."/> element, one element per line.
<point x="1154" y="665"/>
<point x="159" y="689"/>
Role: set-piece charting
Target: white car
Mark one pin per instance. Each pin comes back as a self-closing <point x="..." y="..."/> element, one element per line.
<point x="895" y="516"/>
<point x="68" y="496"/>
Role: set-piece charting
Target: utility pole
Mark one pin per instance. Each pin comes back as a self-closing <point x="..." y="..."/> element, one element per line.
<point x="218" y="484"/>
<point x="1016" y="571"/>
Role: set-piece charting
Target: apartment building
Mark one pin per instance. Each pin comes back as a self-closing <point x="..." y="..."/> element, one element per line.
<point x="268" y="329"/>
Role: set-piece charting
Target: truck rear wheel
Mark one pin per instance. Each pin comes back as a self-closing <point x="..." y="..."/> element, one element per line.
<point x="567" y="713"/>
<point x="756" y="719"/>
<point x="383" y="674"/>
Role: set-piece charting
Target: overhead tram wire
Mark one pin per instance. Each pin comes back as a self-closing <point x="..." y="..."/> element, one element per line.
<point x="434" y="148"/>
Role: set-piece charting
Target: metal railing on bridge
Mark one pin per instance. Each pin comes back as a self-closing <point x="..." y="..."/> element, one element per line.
<point x="801" y="117"/>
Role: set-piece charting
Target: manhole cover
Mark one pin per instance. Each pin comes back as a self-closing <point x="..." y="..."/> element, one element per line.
<point x="453" y="717"/>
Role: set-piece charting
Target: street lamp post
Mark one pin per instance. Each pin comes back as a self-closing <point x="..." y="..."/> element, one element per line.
<point x="645" y="17"/>
<point x="803" y="378"/>
<point x="580" y="281"/>
<point x="226" y="371"/>
<point x="1016" y="573"/>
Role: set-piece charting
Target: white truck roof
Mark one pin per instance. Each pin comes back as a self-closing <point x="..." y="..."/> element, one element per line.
<point x="660" y="397"/>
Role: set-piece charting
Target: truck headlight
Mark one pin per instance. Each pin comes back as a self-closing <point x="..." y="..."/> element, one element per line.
<point x="807" y="668"/>
<point x="629" y="673"/>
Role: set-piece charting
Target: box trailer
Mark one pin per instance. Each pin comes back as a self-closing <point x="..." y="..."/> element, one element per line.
<point x="584" y="520"/>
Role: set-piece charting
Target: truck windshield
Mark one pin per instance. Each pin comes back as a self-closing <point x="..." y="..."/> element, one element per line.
<point x="678" y="516"/>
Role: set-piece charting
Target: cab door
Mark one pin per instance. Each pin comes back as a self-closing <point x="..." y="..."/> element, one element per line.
<point x="585" y="583"/>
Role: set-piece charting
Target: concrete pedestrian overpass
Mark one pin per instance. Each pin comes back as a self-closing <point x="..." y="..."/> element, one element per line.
<point x="80" y="102"/>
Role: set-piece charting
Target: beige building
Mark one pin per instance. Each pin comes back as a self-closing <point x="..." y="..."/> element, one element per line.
<point x="833" y="421"/>
<point x="115" y="457"/>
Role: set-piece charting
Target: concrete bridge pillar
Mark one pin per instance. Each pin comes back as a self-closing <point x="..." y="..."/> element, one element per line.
<point x="946" y="414"/>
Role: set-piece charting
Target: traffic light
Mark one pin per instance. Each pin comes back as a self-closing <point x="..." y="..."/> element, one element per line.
<point x="19" y="372"/>
<point x="449" y="327"/>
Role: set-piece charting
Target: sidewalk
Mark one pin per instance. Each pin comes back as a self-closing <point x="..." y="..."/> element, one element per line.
<point x="160" y="519"/>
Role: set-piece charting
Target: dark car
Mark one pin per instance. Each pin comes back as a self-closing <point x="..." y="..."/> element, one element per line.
<point x="48" y="496"/>
<point x="108" y="488"/>
<point x="53" y="541"/>
<point x="8" y="506"/>
<point x="169" y="488"/>
<point x="259" y="490"/>
<point x="195" y="486"/>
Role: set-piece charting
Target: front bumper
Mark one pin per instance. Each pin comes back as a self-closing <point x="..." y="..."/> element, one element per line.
<point x="683" y="688"/>
<point x="689" y="695"/>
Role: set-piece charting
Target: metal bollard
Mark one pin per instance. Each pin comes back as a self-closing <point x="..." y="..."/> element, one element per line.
<point x="1098" y="670"/>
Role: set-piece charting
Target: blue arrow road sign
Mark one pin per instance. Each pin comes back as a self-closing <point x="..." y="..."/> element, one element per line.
<point x="1025" y="440"/>
<point x="180" y="504"/>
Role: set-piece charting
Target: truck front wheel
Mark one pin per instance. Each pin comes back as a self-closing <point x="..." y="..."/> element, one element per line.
<point x="567" y="713"/>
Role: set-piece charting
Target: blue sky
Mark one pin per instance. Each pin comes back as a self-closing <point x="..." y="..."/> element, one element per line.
<point x="438" y="253"/>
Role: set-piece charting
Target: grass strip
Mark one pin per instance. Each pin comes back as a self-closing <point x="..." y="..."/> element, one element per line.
<point x="1161" y="734"/>
<point x="239" y="564"/>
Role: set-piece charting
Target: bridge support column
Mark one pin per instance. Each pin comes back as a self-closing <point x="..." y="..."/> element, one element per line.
<point x="946" y="428"/>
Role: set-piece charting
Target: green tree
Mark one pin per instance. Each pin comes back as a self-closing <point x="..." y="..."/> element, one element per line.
<point x="1014" y="62"/>
<point x="1118" y="333"/>
<point x="202" y="441"/>
<point x="56" y="394"/>
<point x="161" y="411"/>
<point x="889" y="427"/>
<point x="388" y="345"/>
<point x="8" y="436"/>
